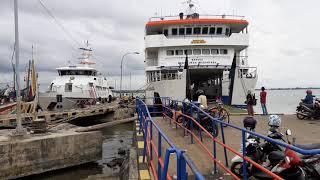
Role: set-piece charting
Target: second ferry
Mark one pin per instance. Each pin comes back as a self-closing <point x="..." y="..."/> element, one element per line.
<point x="77" y="86"/>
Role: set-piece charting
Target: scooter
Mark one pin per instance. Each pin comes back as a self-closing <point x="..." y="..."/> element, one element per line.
<point x="265" y="153"/>
<point x="253" y="150"/>
<point x="305" y="111"/>
<point x="297" y="166"/>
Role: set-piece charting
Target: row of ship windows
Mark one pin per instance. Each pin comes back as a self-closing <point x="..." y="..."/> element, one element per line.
<point x="198" y="31"/>
<point x="68" y="87"/>
<point x="196" y="52"/>
<point x="77" y="72"/>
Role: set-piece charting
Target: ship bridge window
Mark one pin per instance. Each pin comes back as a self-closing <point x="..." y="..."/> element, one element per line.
<point x="197" y="30"/>
<point x="214" y="51"/>
<point x="206" y="51"/>
<point x="205" y="30"/>
<point x="219" y="30"/>
<point x="68" y="87"/>
<point x="188" y="31"/>
<point x="212" y="30"/>
<point x="223" y="51"/>
<point x="196" y="51"/>
<point x="188" y="51"/>
<point x="179" y="52"/>
<point x="170" y="52"/>
<point x="181" y="31"/>
<point x="174" y="31"/>
<point x="76" y="72"/>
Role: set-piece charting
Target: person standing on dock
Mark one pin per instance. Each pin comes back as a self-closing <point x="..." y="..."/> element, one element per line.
<point x="250" y="102"/>
<point x="263" y="101"/>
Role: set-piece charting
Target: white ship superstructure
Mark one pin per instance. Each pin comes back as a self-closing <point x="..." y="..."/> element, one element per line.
<point x="217" y="60"/>
<point x="76" y="84"/>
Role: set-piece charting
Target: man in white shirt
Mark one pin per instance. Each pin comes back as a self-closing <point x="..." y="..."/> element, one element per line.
<point x="202" y="99"/>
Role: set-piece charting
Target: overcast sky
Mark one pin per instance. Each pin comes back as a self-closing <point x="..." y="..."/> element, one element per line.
<point x="284" y="42"/>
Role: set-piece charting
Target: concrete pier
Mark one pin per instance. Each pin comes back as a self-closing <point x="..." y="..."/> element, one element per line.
<point x="40" y="153"/>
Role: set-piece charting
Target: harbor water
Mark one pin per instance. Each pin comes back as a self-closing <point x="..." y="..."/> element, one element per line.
<point x="115" y="138"/>
<point x="283" y="101"/>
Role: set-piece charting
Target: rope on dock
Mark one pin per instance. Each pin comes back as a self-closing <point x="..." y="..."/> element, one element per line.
<point x="107" y="124"/>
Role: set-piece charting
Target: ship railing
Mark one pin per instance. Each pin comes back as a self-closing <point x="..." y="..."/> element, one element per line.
<point x="155" y="142"/>
<point x="152" y="61"/>
<point x="186" y="36"/>
<point x="247" y="72"/>
<point x="172" y="108"/>
<point x="203" y="16"/>
<point x="170" y="76"/>
<point x="157" y="76"/>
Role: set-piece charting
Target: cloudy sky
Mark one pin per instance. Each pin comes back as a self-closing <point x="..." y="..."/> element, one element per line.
<point x="284" y="42"/>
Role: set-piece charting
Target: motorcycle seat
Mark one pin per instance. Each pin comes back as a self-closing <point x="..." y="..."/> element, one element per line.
<point x="276" y="156"/>
<point x="308" y="146"/>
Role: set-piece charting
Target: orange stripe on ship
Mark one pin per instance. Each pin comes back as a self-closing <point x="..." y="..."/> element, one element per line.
<point x="196" y="21"/>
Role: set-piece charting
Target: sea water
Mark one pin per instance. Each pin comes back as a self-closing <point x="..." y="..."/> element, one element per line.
<point x="119" y="136"/>
<point x="283" y="101"/>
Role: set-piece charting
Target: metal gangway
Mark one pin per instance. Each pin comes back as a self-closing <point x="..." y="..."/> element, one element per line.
<point x="168" y="160"/>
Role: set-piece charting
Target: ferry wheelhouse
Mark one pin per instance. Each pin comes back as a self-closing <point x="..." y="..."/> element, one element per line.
<point x="216" y="47"/>
<point x="76" y="85"/>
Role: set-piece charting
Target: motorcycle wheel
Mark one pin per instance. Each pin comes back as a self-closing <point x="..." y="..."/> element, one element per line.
<point x="180" y="119"/>
<point x="225" y="117"/>
<point x="213" y="129"/>
<point x="237" y="169"/>
<point x="300" y="116"/>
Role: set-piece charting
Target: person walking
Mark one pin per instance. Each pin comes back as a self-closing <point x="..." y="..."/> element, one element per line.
<point x="250" y="102"/>
<point x="263" y="101"/>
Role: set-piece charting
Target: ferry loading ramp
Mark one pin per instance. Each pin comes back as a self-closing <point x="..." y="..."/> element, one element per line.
<point x="200" y="157"/>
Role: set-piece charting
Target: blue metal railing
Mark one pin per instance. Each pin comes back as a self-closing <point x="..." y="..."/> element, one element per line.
<point x="146" y="125"/>
<point x="194" y="108"/>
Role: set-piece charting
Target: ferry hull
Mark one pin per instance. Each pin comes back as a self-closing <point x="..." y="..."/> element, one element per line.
<point x="48" y="101"/>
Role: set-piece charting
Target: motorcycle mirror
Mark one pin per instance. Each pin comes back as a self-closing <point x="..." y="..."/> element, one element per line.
<point x="288" y="132"/>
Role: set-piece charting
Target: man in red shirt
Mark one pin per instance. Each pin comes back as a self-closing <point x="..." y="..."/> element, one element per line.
<point x="263" y="100"/>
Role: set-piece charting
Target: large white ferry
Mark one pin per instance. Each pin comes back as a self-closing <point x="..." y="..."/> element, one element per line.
<point x="216" y="47"/>
<point x="76" y="85"/>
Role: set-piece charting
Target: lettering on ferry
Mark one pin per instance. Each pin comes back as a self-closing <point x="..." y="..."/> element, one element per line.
<point x="198" y="61"/>
<point x="198" y="41"/>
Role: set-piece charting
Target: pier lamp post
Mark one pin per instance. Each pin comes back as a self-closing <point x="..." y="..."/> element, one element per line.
<point x="121" y="69"/>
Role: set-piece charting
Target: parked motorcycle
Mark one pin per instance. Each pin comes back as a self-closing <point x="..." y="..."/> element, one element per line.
<point x="260" y="152"/>
<point x="291" y="165"/>
<point x="306" y="111"/>
<point x="253" y="148"/>
<point x="297" y="166"/>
